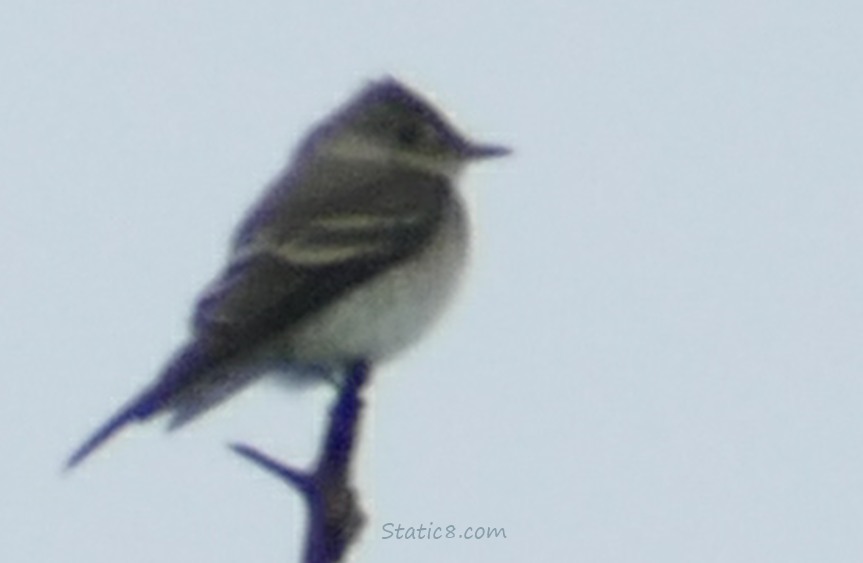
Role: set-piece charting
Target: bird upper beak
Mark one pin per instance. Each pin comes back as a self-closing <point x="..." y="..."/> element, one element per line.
<point x="476" y="151"/>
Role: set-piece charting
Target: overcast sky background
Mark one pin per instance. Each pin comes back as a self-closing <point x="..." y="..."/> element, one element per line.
<point x="656" y="356"/>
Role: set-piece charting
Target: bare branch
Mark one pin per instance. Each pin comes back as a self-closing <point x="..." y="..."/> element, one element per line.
<point x="335" y="517"/>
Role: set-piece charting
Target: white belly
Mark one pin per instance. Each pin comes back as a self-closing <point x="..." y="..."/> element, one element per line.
<point x="390" y="312"/>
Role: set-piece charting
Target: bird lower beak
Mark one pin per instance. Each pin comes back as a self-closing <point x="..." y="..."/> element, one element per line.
<point x="478" y="151"/>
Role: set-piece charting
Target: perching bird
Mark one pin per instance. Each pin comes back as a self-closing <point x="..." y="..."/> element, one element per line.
<point x="349" y="256"/>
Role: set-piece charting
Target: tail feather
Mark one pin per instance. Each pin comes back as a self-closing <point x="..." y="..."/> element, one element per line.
<point x="183" y="374"/>
<point x="220" y="385"/>
<point x="139" y="408"/>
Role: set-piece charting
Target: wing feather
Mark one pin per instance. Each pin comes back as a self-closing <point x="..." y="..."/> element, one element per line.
<point x="314" y="250"/>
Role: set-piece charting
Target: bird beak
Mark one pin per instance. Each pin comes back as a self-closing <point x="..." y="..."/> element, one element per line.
<point x="478" y="151"/>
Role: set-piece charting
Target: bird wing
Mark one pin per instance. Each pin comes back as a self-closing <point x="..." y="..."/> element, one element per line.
<point x="317" y="246"/>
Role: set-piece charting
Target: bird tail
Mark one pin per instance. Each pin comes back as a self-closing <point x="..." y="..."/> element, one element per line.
<point x="183" y="374"/>
<point x="141" y="407"/>
<point x="221" y="384"/>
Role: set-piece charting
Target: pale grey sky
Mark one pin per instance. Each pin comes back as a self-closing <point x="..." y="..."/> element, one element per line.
<point x="656" y="356"/>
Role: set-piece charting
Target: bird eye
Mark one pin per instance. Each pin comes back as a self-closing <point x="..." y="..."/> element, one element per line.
<point x="409" y="134"/>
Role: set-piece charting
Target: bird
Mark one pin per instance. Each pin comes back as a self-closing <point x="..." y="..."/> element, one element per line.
<point x="350" y="255"/>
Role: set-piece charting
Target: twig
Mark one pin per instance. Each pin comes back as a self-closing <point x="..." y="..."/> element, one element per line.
<point x="335" y="517"/>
